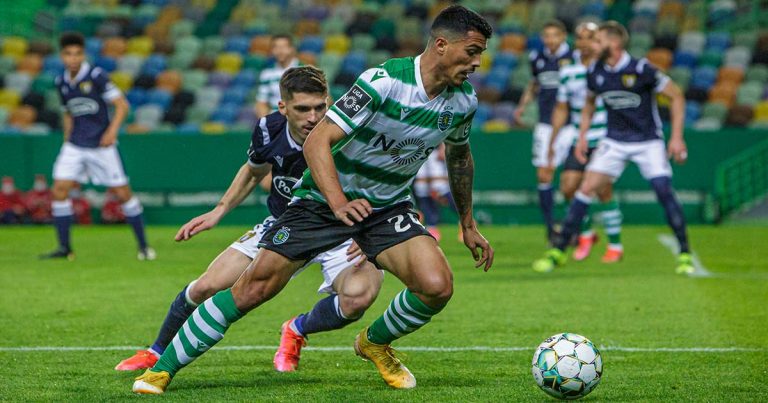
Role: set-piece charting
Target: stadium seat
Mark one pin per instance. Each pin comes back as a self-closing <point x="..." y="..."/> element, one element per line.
<point x="229" y="62"/>
<point x="686" y="59"/>
<point x="3" y="116"/>
<point x="213" y="45"/>
<point x="692" y="112"/>
<point x="708" y="124"/>
<point x="718" y="41"/>
<point x="93" y="47"/>
<point x="213" y="128"/>
<point x="159" y="97"/>
<point x="149" y="115"/>
<point x="731" y="75"/>
<point x="337" y="44"/>
<point x="154" y="65"/>
<point x="122" y="80"/>
<point x="31" y="64"/>
<point x="219" y="79"/>
<point x="130" y="64"/>
<point x="714" y="110"/>
<point x="140" y="46"/>
<point x="703" y="77"/>
<point x="661" y="58"/>
<point x="738" y="56"/>
<point x="749" y="93"/>
<point x="198" y="114"/>
<point x="14" y="47"/>
<point x="758" y="73"/>
<point x="260" y="45"/>
<point x="208" y="97"/>
<point x="761" y="111"/>
<point x="114" y="47"/>
<point x="136" y="97"/>
<point x="724" y="93"/>
<point x="107" y="64"/>
<point x="360" y="42"/>
<point x="18" y="82"/>
<point x="681" y="76"/>
<point x="245" y="78"/>
<point x="237" y="44"/>
<point x="43" y="82"/>
<point x="22" y="117"/>
<point x="692" y="42"/>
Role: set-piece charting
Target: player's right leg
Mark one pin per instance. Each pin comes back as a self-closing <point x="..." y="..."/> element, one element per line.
<point x="221" y="274"/>
<point x="570" y="180"/>
<point x="544" y="175"/>
<point x="420" y="264"/>
<point x="68" y="168"/>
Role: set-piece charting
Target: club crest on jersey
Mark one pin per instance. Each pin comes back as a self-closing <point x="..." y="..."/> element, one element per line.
<point x="353" y="101"/>
<point x="628" y="80"/>
<point x="444" y="120"/>
<point x="85" y="87"/>
<point x="282" y="236"/>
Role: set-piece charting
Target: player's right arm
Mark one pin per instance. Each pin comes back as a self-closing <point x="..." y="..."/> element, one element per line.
<point x="317" y="152"/>
<point x="246" y="179"/>
<point x="586" y="121"/>
<point x="527" y="97"/>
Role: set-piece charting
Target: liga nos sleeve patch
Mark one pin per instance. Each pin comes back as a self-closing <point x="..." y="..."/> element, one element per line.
<point x="353" y="101"/>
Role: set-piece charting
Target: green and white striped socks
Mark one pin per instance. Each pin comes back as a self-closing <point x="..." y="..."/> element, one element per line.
<point x="405" y="314"/>
<point x="612" y="218"/>
<point x="204" y="328"/>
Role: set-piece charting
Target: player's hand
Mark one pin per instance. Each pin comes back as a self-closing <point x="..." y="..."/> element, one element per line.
<point x="109" y="138"/>
<point x="519" y="115"/>
<point x="474" y="240"/>
<point x="677" y="150"/>
<point x="354" y="211"/>
<point x="198" y="224"/>
<point x="356" y="255"/>
<point x="581" y="150"/>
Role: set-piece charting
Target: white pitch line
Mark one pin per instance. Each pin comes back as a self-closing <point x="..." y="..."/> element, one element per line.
<point x="404" y="348"/>
<point x="670" y="242"/>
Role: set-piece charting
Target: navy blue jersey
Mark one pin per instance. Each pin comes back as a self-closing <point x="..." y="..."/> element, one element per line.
<point x="629" y="92"/>
<point x="85" y="98"/>
<point x="545" y="68"/>
<point x="271" y="143"/>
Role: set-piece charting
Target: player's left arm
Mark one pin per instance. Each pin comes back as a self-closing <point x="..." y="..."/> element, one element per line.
<point x="461" y="172"/>
<point x="112" y="95"/>
<point x="676" y="147"/>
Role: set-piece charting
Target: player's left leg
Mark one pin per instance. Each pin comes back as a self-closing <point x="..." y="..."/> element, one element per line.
<point x="544" y="175"/>
<point x="611" y="216"/>
<point x="352" y="290"/>
<point x="570" y="179"/>
<point x="420" y="264"/>
<point x="134" y="216"/>
<point x="654" y="166"/>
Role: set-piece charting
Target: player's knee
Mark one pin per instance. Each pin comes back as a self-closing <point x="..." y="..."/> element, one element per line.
<point x="60" y="191"/>
<point x="438" y="288"/>
<point x="544" y="175"/>
<point x="662" y="186"/>
<point x="202" y="289"/>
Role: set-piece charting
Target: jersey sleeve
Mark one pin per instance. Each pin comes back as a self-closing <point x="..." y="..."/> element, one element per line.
<point x="355" y="108"/>
<point x="591" y="84"/>
<point x="104" y="85"/>
<point x="532" y="61"/>
<point x="653" y="76"/>
<point x="59" y="82"/>
<point x="256" y="154"/>
<point x="460" y="135"/>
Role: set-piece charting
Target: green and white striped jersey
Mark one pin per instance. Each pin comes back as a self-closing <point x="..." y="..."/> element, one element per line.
<point x="269" y="84"/>
<point x="392" y="127"/>
<point x="573" y="90"/>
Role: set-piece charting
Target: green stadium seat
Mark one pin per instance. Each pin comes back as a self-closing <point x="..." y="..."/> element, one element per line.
<point x="7" y="64"/>
<point x="641" y="40"/>
<point x="130" y="64"/>
<point x="746" y="38"/>
<point x="749" y="93"/>
<point x="181" y="60"/>
<point x="43" y="82"/>
<point x="197" y="114"/>
<point x="332" y="26"/>
<point x="363" y="42"/>
<point x="708" y="124"/>
<point x="181" y="29"/>
<point x="212" y="45"/>
<point x="3" y="115"/>
<point x="193" y="80"/>
<point x="681" y="76"/>
<point x="714" y="110"/>
<point x="758" y="73"/>
<point x="711" y="58"/>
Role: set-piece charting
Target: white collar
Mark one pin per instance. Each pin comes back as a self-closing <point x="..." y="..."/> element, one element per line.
<point x="420" y="84"/>
<point x="80" y="73"/>
<point x="291" y="141"/>
<point x="561" y="50"/>
<point x="623" y="62"/>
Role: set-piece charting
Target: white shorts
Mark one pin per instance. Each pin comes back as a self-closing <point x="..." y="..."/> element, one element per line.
<point x="542" y="133"/>
<point x="432" y="176"/>
<point x="332" y="262"/>
<point x="611" y="156"/>
<point x="101" y="166"/>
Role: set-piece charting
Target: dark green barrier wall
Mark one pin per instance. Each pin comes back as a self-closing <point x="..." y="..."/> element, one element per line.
<point x="504" y="180"/>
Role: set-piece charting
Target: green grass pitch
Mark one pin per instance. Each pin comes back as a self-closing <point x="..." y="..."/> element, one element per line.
<point x="716" y="326"/>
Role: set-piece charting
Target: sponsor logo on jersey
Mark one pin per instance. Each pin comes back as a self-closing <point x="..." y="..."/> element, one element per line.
<point x="628" y="80"/>
<point x="81" y="106"/>
<point x="353" y="101"/>
<point x="283" y="185"/>
<point x="281" y="236"/>
<point x="549" y="79"/>
<point x="621" y="99"/>
<point x="445" y="119"/>
<point x="410" y="150"/>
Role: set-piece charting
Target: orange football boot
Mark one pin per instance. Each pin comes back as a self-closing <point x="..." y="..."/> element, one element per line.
<point x="585" y="247"/>
<point x="143" y="359"/>
<point x="289" y="352"/>
<point x="613" y="255"/>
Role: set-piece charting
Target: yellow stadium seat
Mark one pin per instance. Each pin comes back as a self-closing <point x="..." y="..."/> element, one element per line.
<point x="15" y="47"/>
<point x="761" y="111"/>
<point x="9" y="99"/>
<point x="337" y="44"/>
<point x="496" y="126"/>
<point x="213" y="128"/>
<point x="122" y="80"/>
<point x="229" y="62"/>
<point x="140" y="45"/>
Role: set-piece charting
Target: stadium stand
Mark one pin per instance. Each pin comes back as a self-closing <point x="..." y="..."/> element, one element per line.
<point x="192" y="65"/>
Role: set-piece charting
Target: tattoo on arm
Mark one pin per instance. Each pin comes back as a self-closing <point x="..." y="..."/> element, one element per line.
<point x="461" y="171"/>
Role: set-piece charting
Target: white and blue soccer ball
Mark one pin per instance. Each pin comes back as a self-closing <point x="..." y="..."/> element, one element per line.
<point x="567" y="366"/>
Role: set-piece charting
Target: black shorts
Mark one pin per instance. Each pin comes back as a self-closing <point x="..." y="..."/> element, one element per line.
<point x="308" y="228"/>
<point x="572" y="163"/>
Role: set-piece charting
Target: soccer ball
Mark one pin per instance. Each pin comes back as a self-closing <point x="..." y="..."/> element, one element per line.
<point x="567" y="366"/>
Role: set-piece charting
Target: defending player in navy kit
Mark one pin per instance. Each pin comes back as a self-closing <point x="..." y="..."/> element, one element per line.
<point x="545" y="66"/>
<point x="276" y="148"/>
<point x="628" y="87"/>
<point x="89" y="151"/>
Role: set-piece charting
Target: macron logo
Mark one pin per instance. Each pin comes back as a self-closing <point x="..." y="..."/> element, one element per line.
<point x="279" y="160"/>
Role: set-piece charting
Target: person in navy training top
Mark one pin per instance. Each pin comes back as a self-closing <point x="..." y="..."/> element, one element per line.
<point x="628" y="87"/>
<point x="545" y="67"/>
<point x="277" y="148"/>
<point x="90" y="151"/>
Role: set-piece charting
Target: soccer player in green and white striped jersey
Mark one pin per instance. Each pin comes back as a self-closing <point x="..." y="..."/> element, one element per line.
<point x="571" y="95"/>
<point x="362" y="160"/>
